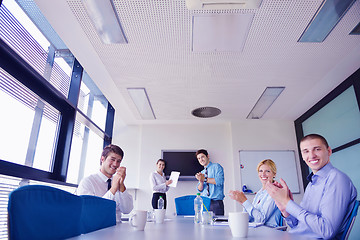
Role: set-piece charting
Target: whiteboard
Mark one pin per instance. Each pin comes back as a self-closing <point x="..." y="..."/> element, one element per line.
<point x="285" y="165"/>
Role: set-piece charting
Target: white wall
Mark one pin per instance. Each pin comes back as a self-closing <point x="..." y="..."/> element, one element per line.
<point x="143" y="144"/>
<point x="129" y="139"/>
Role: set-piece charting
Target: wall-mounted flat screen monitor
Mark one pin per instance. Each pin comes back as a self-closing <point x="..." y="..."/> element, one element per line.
<point x="184" y="162"/>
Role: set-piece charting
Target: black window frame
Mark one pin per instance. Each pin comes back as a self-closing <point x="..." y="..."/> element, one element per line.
<point x="12" y="63"/>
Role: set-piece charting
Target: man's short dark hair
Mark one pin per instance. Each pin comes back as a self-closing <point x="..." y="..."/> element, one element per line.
<point x="201" y="151"/>
<point x="161" y="160"/>
<point x="112" y="148"/>
<point x="315" y="136"/>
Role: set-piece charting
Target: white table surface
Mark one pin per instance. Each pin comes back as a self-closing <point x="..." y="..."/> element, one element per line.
<point x="182" y="228"/>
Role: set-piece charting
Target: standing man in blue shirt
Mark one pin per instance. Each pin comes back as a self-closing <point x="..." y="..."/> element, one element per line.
<point x="211" y="182"/>
<point x="328" y="199"/>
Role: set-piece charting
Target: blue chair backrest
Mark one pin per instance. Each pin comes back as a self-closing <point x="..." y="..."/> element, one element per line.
<point x="185" y="204"/>
<point x="97" y="213"/>
<point x="351" y="221"/>
<point x="42" y="212"/>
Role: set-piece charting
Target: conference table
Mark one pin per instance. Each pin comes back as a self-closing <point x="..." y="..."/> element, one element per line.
<point x="182" y="228"/>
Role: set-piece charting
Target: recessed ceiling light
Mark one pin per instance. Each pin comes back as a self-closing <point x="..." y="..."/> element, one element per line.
<point x="142" y="102"/>
<point x="206" y="112"/>
<point x="265" y="101"/>
<point x="222" y="4"/>
<point x="325" y="20"/>
<point x="106" y="22"/>
<point x="356" y="30"/>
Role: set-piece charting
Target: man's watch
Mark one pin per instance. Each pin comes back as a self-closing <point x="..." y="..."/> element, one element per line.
<point x="205" y="180"/>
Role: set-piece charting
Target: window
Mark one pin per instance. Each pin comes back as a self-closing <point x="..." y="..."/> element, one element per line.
<point x="92" y="102"/>
<point x="87" y="140"/>
<point x="29" y="129"/>
<point x="19" y="32"/>
<point x="337" y="118"/>
<point x="37" y="100"/>
<point x="85" y="153"/>
<point x="353" y="152"/>
<point x="50" y="130"/>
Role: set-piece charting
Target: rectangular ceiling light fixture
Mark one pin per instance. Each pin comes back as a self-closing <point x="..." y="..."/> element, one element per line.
<point x="142" y="102"/>
<point x="325" y="19"/>
<point x="266" y="99"/>
<point x="107" y="24"/>
<point x="356" y="30"/>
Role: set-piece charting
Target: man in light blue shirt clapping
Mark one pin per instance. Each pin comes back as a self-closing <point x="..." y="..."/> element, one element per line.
<point x="328" y="199"/>
<point x="211" y="182"/>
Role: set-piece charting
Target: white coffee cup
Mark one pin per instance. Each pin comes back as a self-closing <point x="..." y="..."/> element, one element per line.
<point x="239" y="223"/>
<point x="159" y="215"/>
<point x="138" y="219"/>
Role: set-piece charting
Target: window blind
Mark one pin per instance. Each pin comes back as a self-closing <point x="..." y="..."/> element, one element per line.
<point x="15" y="89"/>
<point x="7" y="185"/>
<point x="24" y="44"/>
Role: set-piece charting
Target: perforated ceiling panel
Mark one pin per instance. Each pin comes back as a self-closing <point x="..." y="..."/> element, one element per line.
<point x="158" y="57"/>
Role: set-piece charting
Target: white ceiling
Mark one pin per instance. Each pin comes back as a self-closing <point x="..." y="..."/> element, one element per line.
<point x="158" y="57"/>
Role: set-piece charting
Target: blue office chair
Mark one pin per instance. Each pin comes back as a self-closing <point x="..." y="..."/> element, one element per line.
<point x="185" y="204"/>
<point x="351" y="221"/>
<point x="43" y="212"/>
<point x="97" y="213"/>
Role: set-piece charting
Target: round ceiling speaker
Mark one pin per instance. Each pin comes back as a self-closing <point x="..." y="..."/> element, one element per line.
<point x="206" y="112"/>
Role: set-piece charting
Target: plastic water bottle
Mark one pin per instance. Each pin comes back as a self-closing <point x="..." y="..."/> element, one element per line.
<point x="198" y="206"/>
<point x="160" y="203"/>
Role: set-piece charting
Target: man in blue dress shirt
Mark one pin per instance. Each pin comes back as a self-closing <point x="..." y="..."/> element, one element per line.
<point x="211" y="182"/>
<point x="328" y="199"/>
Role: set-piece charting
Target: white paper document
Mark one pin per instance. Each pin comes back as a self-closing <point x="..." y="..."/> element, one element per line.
<point x="254" y="224"/>
<point x="174" y="176"/>
<point x="220" y="223"/>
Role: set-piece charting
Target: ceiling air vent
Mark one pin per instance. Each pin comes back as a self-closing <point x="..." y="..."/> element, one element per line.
<point x="222" y="4"/>
<point x="206" y="112"/>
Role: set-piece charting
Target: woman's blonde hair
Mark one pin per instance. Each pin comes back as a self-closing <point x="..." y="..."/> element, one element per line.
<point x="268" y="162"/>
